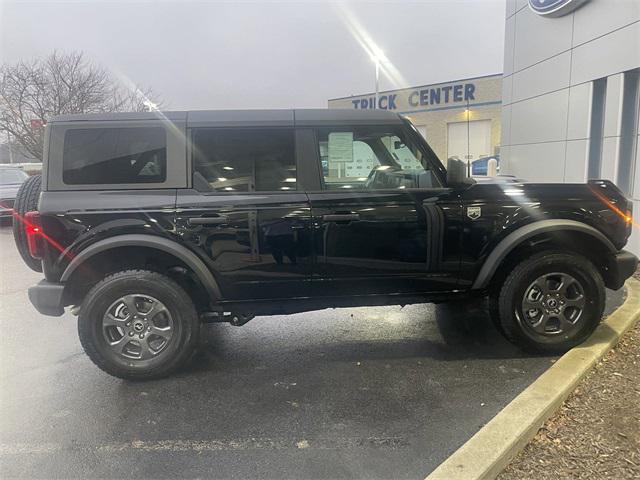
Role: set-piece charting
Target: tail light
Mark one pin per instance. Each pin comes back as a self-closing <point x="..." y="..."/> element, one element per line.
<point x="33" y="230"/>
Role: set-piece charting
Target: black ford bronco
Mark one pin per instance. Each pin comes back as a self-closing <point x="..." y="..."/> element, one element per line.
<point x="149" y="224"/>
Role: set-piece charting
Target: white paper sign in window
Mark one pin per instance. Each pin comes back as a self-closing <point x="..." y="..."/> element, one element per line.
<point x="340" y="147"/>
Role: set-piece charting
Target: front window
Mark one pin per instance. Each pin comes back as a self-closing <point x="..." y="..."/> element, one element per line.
<point x="372" y="158"/>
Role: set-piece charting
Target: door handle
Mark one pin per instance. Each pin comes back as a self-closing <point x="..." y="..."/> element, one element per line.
<point x="219" y="220"/>
<point x="341" y="217"/>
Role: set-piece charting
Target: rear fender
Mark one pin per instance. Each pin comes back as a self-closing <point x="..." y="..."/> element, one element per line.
<point x="159" y="243"/>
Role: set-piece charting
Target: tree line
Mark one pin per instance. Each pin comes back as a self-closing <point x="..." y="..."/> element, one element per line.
<point x="31" y="92"/>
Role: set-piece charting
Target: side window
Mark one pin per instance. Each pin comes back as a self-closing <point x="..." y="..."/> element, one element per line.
<point x="244" y="159"/>
<point x="114" y="156"/>
<point x="372" y="158"/>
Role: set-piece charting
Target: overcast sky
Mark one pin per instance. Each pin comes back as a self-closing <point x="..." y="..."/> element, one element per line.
<point x="213" y="54"/>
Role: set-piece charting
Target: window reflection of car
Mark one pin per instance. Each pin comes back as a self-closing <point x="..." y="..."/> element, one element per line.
<point x="481" y="165"/>
<point x="10" y="180"/>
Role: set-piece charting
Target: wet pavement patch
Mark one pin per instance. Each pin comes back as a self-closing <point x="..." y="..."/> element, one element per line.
<point x="384" y="392"/>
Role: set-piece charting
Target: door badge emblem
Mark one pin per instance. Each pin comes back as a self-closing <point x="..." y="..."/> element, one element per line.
<point x="474" y="212"/>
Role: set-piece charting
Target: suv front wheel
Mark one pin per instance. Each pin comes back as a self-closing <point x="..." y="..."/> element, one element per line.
<point x="551" y="302"/>
<point x="138" y="325"/>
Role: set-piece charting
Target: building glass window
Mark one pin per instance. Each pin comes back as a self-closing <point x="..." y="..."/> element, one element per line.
<point x="628" y="131"/>
<point x="244" y="159"/>
<point x="114" y="156"/>
<point x="372" y="158"/>
<point x="596" y="133"/>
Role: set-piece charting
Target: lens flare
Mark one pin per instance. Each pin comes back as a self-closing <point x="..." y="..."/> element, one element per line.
<point x="364" y="39"/>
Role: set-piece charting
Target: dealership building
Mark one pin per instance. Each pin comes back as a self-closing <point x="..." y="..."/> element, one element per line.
<point x="460" y="118"/>
<point x="571" y="93"/>
<point x="565" y="109"/>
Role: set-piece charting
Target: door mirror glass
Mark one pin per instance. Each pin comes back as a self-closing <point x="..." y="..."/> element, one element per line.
<point x="457" y="173"/>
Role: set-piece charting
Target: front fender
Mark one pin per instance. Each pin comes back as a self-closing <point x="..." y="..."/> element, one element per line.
<point x="515" y="238"/>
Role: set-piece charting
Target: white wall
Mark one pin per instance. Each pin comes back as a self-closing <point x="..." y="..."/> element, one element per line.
<point x="549" y="68"/>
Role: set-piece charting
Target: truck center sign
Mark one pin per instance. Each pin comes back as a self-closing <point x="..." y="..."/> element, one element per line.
<point x="440" y="95"/>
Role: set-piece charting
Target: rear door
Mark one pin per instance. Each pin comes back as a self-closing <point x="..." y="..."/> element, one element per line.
<point x="385" y="223"/>
<point x="245" y="214"/>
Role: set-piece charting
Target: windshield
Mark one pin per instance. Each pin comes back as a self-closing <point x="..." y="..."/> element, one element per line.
<point x="11" y="176"/>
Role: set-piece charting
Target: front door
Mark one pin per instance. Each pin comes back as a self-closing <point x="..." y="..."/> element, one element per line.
<point x="245" y="215"/>
<point x="384" y="222"/>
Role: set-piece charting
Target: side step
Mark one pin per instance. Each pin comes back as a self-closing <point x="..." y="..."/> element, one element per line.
<point x="236" y="319"/>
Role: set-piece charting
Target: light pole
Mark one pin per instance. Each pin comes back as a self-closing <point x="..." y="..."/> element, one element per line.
<point x="378" y="57"/>
<point x="377" y="62"/>
<point x="10" y="147"/>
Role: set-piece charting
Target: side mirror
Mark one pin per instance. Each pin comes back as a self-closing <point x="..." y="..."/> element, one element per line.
<point x="457" y="173"/>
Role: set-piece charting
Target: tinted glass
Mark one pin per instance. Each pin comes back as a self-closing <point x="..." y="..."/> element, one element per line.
<point x="243" y="160"/>
<point x="372" y="158"/>
<point x="115" y="155"/>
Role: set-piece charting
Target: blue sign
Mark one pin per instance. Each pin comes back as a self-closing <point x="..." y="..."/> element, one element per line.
<point x="461" y="92"/>
<point x="387" y="102"/>
<point x="554" y="8"/>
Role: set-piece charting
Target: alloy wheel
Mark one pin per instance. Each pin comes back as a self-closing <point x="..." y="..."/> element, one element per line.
<point x="553" y="304"/>
<point x="137" y="327"/>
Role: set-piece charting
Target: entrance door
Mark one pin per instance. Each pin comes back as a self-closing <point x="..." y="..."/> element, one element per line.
<point x="384" y="223"/>
<point x="245" y="216"/>
<point x="469" y="140"/>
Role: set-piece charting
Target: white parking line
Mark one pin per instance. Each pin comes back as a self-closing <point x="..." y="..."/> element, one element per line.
<point x="208" y="445"/>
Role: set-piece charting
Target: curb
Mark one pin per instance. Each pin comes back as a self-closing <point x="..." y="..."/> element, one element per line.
<point x="493" y="447"/>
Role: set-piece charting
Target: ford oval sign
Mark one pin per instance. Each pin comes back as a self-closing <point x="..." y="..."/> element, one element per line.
<point x="554" y="8"/>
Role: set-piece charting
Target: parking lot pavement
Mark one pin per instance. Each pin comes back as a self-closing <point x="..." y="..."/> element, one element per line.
<point x="349" y="393"/>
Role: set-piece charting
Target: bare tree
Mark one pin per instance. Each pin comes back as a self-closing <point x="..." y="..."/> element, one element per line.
<point x="62" y="83"/>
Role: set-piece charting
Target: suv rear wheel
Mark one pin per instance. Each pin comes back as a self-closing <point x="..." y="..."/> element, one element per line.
<point x="551" y="302"/>
<point x="138" y="324"/>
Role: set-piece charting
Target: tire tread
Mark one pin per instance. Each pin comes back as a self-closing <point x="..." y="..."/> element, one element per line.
<point x="162" y="370"/>
<point x="26" y="201"/>
<point x="509" y="326"/>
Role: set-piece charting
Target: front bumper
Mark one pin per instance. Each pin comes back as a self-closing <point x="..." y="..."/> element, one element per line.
<point x="47" y="298"/>
<point x="620" y="267"/>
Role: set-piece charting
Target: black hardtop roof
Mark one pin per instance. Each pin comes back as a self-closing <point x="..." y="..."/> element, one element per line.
<point x="237" y="117"/>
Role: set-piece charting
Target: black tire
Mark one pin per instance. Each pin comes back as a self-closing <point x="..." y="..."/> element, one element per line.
<point x="142" y="283"/>
<point x="549" y="269"/>
<point x="26" y="201"/>
<point x="493" y="307"/>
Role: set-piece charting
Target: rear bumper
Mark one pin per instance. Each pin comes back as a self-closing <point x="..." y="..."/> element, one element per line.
<point x="620" y="267"/>
<point x="47" y="298"/>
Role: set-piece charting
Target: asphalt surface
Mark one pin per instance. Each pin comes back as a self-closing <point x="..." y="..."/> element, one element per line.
<point x="348" y="393"/>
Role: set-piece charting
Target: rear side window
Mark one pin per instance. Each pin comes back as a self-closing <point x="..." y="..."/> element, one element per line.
<point x="244" y="159"/>
<point x="114" y="156"/>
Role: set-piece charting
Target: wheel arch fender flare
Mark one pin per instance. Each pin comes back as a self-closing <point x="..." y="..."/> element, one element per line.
<point x="150" y="241"/>
<point x="515" y="238"/>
